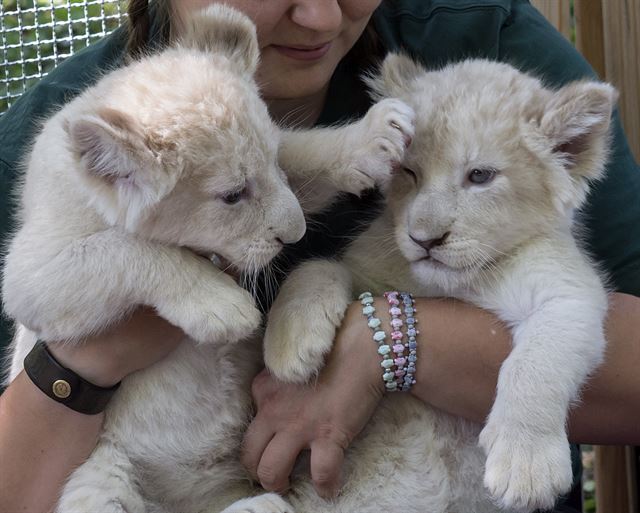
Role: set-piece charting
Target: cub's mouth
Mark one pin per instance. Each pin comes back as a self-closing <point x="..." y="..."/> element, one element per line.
<point x="434" y="262"/>
<point x="221" y="263"/>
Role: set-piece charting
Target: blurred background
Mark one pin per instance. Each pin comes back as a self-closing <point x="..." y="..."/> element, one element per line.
<point x="35" y="35"/>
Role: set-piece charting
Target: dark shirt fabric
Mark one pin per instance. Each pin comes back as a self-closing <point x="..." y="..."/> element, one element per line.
<point x="434" y="31"/>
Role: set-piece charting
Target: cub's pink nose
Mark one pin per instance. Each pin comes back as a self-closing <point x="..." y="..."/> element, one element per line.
<point x="431" y="243"/>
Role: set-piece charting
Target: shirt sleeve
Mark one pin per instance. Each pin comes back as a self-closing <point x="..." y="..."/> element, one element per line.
<point x="5" y="223"/>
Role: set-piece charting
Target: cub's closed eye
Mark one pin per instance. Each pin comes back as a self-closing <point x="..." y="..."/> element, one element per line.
<point x="481" y="176"/>
<point x="411" y="173"/>
<point x="233" y="197"/>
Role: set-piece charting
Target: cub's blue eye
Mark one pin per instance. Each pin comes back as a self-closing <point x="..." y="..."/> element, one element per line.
<point x="481" y="175"/>
<point x="233" y="197"/>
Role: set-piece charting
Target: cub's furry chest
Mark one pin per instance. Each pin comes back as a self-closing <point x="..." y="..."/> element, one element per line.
<point x="181" y="421"/>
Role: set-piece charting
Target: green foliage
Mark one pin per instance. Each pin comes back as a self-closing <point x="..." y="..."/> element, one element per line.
<point x="29" y="48"/>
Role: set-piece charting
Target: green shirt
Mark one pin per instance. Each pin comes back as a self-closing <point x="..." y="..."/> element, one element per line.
<point x="434" y="31"/>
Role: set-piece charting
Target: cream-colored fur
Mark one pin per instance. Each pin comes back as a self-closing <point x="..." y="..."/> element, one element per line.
<point x="173" y="155"/>
<point x="505" y="245"/>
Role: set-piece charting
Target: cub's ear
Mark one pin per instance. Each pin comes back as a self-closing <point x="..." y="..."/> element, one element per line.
<point x="120" y="170"/>
<point x="576" y="121"/>
<point x="221" y="29"/>
<point x="394" y="76"/>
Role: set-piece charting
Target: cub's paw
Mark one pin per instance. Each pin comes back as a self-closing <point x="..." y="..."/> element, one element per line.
<point x="212" y="315"/>
<point x="378" y="144"/>
<point x="267" y="503"/>
<point x="295" y="346"/>
<point x="525" y="472"/>
<point x="97" y="500"/>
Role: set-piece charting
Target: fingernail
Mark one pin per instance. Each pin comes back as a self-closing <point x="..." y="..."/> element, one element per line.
<point x="330" y="495"/>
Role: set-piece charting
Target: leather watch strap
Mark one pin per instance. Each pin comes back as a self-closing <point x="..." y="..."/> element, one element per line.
<point x="63" y="385"/>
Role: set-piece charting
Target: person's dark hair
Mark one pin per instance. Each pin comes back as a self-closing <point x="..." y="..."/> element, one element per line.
<point x="138" y="26"/>
<point x="368" y="50"/>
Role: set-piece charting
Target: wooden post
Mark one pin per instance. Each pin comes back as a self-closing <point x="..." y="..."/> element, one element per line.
<point x="621" y="22"/>
<point x="590" y="33"/>
<point x="614" y="493"/>
<point x="558" y="12"/>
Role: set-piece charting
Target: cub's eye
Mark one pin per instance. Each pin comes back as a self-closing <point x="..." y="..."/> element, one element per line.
<point x="411" y="173"/>
<point x="233" y="197"/>
<point x="481" y="175"/>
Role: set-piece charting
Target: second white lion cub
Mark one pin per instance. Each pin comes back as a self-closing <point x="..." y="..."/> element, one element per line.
<point x="482" y="212"/>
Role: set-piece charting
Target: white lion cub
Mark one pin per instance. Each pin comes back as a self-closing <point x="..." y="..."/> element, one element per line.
<point x="175" y="151"/>
<point x="482" y="212"/>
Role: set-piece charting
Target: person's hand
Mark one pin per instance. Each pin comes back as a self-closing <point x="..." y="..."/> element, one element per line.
<point x="138" y="342"/>
<point x="324" y="416"/>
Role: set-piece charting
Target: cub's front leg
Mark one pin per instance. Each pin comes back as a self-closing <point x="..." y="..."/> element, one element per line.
<point x="321" y="163"/>
<point x="558" y="340"/>
<point x="265" y="503"/>
<point x="304" y="317"/>
<point x="93" y="282"/>
<point x="104" y="483"/>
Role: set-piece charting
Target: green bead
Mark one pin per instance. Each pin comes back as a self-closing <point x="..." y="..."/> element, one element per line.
<point x="368" y="310"/>
<point x="384" y="350"/>
<point x="379" y="336"/>
<point x="374" y="322"/>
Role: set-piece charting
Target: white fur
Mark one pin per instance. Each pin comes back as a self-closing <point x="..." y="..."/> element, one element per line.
<point x="509" y="249"/>
<point x="122" y="186"/>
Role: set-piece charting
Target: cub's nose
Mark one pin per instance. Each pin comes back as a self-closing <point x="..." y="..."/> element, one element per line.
<point x="430" y="243"/>
<point x="290" y="229"/>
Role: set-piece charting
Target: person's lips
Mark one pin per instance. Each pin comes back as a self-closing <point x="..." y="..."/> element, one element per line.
<point x="304" y="53"/>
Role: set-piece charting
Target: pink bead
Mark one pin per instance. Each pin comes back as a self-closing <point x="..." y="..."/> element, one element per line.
<point x="394" y="302"/>
<point x="395" y="311"/>
<point x="400" y="373"/>
<point x="396" y="323"/>
<point x="396" y="335"/>
<point x="398" y="348"/>
<point x="399" y="361"/>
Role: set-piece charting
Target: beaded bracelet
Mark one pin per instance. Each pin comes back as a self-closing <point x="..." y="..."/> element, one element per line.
<point x="411" y="344"/>
<point x="396" y="335"/>
<point x="379" y="336"/>
<point x="403" y="377"/>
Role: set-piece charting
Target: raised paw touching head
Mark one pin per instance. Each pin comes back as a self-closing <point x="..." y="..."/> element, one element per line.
<point x="376" y="144"/>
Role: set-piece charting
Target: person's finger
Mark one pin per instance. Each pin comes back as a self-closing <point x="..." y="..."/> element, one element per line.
<point x="327" y="457"/>
<point x="256" y="438"/>
<point x="278" y="460"/>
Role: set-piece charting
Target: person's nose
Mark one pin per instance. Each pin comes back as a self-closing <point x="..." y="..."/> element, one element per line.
<point x="317" y="15"/>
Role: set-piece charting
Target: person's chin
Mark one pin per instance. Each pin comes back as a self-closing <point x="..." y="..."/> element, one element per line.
<point x="281" y="77"/>
<point x="292" y="84"/>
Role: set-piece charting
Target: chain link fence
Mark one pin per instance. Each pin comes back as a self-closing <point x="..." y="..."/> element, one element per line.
<point x="36" y="35"/>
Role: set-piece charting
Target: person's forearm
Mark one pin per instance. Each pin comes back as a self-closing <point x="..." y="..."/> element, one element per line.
<point x="462" y="347"/>
<point x="41" y="443"/>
